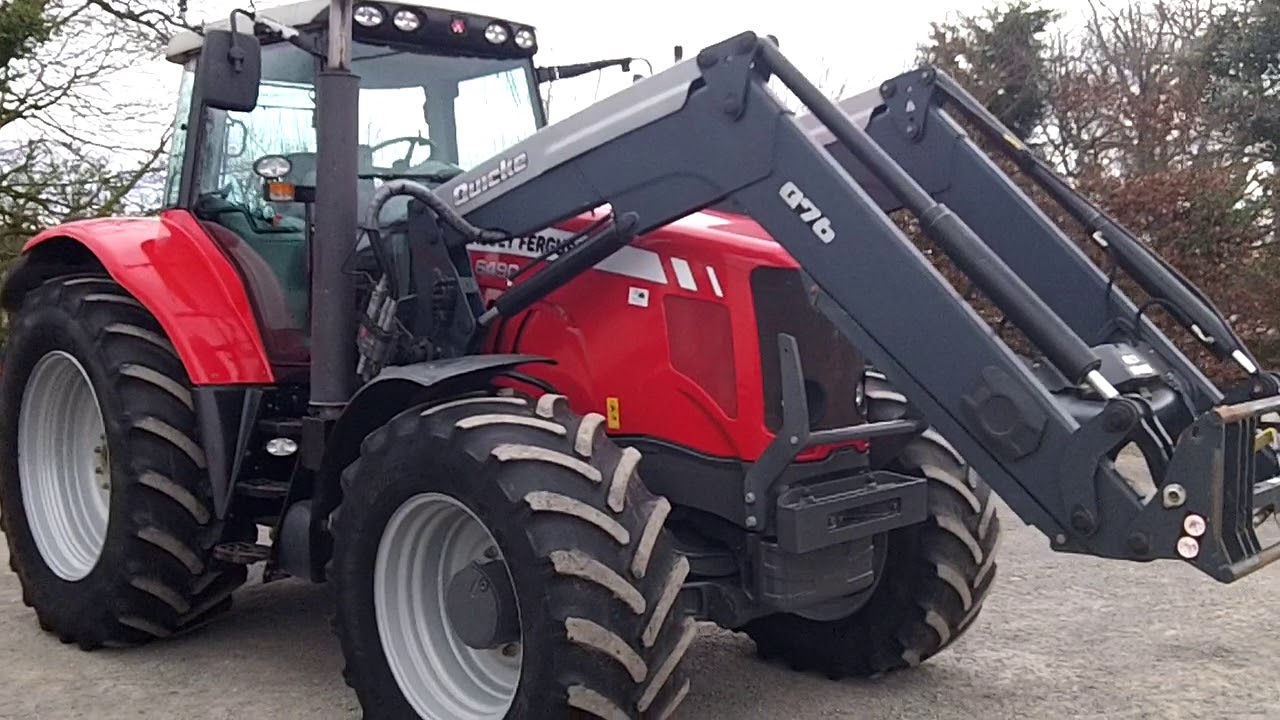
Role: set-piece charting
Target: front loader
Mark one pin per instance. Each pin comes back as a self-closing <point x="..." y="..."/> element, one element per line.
<point x="533" y="398"/>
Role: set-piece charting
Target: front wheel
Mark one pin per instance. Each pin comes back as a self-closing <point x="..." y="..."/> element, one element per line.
<point x="936" y="574"/>
<point x="499" y="558"/>
<point x="107" y="504"/>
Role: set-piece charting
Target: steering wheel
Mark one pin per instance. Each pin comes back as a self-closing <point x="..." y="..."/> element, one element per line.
<point x="402" y="165"/>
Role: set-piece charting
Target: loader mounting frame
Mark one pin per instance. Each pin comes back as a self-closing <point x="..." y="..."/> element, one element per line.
<point x="1043" y="432"/>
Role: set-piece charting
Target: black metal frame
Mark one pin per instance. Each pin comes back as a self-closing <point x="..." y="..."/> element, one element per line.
<point x="709" y="131"/>
<point x="1034" y="438"/>
<point x="795" y="436"/>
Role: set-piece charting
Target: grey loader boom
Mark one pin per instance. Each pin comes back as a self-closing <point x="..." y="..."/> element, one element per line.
<point x="1043" y="431"/>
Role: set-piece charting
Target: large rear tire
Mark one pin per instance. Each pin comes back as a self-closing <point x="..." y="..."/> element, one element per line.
<point x="106" y="502"/>
<point x="935" y="579"/>
<point x="555" y="511"/>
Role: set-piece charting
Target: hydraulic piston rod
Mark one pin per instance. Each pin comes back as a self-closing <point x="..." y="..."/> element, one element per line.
<point x="1028" y="311"/>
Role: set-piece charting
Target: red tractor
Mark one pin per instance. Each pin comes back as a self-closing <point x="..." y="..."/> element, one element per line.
<point x="432" y="344"/>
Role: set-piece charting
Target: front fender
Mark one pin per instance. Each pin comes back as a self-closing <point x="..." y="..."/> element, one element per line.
<point x="400" y="387"/>
<point x="393" y="391"/>
<point x="171" y="266"/>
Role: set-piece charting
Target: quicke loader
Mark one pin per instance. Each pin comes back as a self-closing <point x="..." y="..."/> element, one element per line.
<point x="534" y="398"/>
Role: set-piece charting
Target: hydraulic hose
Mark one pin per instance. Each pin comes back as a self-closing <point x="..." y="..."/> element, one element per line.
<point x="423" y="194"/>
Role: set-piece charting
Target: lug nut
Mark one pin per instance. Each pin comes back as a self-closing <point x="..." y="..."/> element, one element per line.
<point x="1194" y="525"/>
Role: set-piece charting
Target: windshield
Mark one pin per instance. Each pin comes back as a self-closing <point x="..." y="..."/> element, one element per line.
<point x="421" y="116"/>
<point x="469" y="109"/>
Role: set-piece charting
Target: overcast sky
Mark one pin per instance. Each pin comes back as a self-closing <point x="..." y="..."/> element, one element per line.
<point x="860" y="42"/>
<point x="837" y="44"/>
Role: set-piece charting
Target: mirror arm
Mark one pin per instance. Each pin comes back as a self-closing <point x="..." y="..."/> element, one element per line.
<point x="236" y="53"/>
<point x="291" y="36"/>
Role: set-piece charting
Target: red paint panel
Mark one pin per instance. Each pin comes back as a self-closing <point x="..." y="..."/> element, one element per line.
<point x="172" y="266"/>
<point x="608" y="331"/>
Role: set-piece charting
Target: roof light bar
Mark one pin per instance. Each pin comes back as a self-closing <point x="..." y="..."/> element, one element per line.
<point x="441" y="30"/>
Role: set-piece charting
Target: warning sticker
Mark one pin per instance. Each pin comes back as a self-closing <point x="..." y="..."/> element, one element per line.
<point x="612" y="416"/>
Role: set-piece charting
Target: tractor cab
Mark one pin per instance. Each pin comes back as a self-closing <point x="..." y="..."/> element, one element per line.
<point x="439" y="92"/>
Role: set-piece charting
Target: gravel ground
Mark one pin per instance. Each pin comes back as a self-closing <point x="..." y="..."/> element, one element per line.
<point x="1061" y="637"/>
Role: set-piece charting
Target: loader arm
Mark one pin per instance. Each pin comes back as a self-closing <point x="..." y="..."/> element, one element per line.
<point x="1043" y="432"/>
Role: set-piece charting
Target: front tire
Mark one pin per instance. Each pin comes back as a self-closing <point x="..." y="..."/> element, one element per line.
<point x="936" y="575"/>
<point x="106" y="502"/>
<point x="598" y="629"/>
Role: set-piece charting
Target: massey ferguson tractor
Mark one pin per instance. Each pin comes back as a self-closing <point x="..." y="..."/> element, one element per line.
<point x="535" y="398"/>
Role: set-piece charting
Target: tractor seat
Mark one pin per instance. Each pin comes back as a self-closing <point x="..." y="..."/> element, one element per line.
<point x="282" y="333"/>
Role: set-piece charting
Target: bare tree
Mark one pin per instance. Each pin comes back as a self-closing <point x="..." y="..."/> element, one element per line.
<point x="78" y="136"/>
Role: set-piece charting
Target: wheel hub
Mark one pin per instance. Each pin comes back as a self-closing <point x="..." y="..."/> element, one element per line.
<point x="64" y="466"/>
<point x="446" y="613"/>
<point x="481" y="606"/>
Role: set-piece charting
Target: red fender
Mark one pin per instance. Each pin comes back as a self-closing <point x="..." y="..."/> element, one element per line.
<point x="172" y="266"/>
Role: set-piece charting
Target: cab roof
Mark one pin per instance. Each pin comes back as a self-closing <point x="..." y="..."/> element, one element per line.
<point x="294" y="15"/>
<point x="297" y="15"/>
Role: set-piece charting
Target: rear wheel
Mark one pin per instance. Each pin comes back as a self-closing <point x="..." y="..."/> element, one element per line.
<point x="496" y="557"/>
<point x="935" y="579"/>
<point x="106" y="503"/>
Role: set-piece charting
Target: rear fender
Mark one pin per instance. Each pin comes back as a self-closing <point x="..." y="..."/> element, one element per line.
<point x="171" y="266"/>
<point x="303" y="546"/>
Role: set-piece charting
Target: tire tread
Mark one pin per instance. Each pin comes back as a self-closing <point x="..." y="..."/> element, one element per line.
<point x="162" y="578"/>
<point x="935" y="580"/>
<point x="552" y="467"/>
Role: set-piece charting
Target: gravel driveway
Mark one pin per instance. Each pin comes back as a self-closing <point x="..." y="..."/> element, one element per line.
<point x="1061" y="637"/>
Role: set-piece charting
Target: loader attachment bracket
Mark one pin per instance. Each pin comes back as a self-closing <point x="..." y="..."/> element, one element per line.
<point x="730" y="73"/>
<point x="1097" y="438"/>
<point x="909" y="98"/>
<point x="1210" y="490"/>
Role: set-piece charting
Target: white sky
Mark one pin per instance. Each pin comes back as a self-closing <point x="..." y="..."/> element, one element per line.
<point x="856" y="44"/>
<point x="860" y="42"/>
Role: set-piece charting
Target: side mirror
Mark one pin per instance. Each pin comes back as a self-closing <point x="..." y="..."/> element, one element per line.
<point x="229" y="70"/>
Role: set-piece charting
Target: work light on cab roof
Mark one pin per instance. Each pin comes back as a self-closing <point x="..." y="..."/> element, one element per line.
<point x="428" y="24"/>
<point x="406" y="26"/>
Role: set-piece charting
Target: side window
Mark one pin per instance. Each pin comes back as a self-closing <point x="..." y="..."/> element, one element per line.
<point x="492" y="112"/>
<point x="178" y="143"/>
<point x="282" y="124"/>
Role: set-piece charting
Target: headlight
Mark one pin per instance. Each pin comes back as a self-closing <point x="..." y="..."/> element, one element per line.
<point x="368" y="15"/>
<point x="407" y="20"/>
<point x="272" y="167"/>
<point x="496" y="33"/>
<point x="525" y="39"/>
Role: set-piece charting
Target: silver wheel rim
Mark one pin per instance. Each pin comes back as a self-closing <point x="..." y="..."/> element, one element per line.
<point x="64" y="466"/>
<point x="428" y="539"/>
